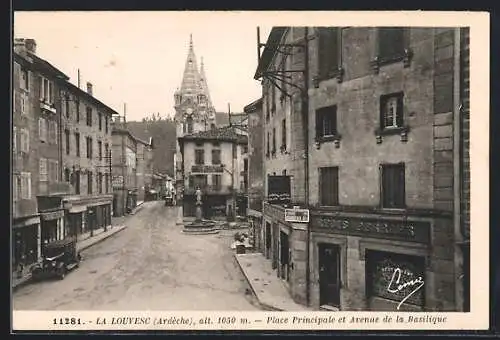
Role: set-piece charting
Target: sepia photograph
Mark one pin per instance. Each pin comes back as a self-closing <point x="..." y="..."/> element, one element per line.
<point x="236" y="162"/>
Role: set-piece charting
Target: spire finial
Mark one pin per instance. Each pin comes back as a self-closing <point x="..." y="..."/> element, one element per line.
<point x="190" y="40"/>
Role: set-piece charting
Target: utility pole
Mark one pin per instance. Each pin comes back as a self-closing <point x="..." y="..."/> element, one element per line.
<point x="229" y="112"/>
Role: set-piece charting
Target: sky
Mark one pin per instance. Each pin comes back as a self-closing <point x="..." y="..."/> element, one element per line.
<point x="138" y="58"/>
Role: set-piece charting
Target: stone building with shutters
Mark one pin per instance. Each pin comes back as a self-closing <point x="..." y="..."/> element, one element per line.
<point x="38" y="216"/>
<point x="125" y="161"/>
<point x="382" y="164"/>
<point x="255" y="172"/>
<point x="86" y="152"/>
<point x="213" y="162"/>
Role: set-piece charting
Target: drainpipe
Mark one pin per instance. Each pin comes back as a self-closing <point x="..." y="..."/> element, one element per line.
<point x="305" y="119"/>
<point x="457" y="147"/>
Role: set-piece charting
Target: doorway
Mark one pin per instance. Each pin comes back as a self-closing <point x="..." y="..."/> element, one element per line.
<point x="329" y="274"/>
<point x="268" y="240"/>
<point x="284" y="256"/>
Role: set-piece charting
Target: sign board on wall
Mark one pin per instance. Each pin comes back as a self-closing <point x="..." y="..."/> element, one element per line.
<point x="117" y="181"/>
<point x="297" y="215"/>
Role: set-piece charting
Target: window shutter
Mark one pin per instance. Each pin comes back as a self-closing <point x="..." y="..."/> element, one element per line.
<point x="28" y="185"/>
<point x="401" y="186"/>
<point x="400" y="112"/>
<point x="319" y="123"/>
<point x="14" y="139"/>
<point x="322" y="52"/>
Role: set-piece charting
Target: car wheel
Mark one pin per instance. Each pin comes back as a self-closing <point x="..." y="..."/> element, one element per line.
<point x="62" y="274"/>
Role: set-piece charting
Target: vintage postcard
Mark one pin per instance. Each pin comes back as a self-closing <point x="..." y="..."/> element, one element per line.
<point x="250" y="170"/>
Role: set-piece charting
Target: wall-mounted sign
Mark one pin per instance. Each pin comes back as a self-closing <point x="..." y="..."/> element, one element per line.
<point x="117" y="181"/>
<point x="297" y="215"/>
<point x="278" y="189"/>
<point x="416" y="231"/>
<point x="207" y="168"/>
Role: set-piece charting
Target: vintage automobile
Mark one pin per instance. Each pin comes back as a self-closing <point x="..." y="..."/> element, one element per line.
<point x="59" y="258"/>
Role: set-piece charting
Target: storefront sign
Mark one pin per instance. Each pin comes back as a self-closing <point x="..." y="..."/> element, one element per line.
<point x="278" y="188"/>
<point x="297" y="215"/>
<point x="275" y="212"/>
<point x="207" y="168"/>
<point x="416" y="231"/>
<point x="117" y="181"/>
<point x="53" y="215"/>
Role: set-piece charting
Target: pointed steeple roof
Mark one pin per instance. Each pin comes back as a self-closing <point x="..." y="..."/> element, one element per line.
<point x="191" y="77"/>
<point x="203" y="83"/>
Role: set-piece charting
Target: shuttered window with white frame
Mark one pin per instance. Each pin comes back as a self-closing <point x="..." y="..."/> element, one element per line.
<point x="26" y="185"/>
<point x="43" y="170"/>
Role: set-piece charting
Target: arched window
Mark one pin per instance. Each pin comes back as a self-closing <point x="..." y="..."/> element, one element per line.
<point x="190" y="125"/>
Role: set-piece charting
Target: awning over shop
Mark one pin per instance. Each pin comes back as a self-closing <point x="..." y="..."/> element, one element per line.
<point x="52" y="215"/>
<point x="26" y="222"/>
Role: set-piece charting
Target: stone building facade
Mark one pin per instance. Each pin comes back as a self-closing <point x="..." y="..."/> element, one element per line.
<point x="212" y="161"/>
<point x="255" y="170"/>
<point x="380" y="163"/>
<point x="144" y="168"/>
<point x="124" y="151"/>
<point x="38" y="215"/>
<point x="86" y="153"/>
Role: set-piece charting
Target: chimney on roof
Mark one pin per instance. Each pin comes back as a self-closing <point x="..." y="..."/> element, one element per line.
<point x="25" y="45"/>
<point x="30" y="45"/>
<point x="89" y="88"/>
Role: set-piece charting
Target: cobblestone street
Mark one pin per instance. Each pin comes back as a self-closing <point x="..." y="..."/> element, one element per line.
<point x="151" y="265"/>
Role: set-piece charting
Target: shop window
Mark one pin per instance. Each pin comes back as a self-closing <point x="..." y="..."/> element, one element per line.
<point x="393" y="185"/>
<point x="217" y="182"/>
<point x="383" y="270"/>
<point x="329" y="186"/>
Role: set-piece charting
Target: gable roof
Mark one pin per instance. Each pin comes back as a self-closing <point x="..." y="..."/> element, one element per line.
<point x="226" y="134"/>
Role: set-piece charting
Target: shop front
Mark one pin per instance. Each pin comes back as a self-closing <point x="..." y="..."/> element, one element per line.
<point x="363" y="262"/>
<point x="52" y="226"/>
<point x="25" y="243"/>
<point x="255" y="219"/>
<point x="285" y="245"/>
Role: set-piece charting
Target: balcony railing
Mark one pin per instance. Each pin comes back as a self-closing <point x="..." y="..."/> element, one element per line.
<point x="207" y="168"/>
<point x="209" y="189"/>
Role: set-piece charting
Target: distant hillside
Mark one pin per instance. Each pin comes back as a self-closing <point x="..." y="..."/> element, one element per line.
<point x="163" y="132"/>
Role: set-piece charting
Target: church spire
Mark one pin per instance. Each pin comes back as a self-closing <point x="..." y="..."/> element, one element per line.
<point x="190" y="78"/>
<point x="203" y="82"/>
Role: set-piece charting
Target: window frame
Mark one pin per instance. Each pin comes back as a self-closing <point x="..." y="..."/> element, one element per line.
<point x="399" y="117"/>
<point x="218" y="152"/>
<point x="88" y="116"/>
<point x="198" y="152"/>
<point x="322" y="114"/>
<point x="383" y="32"/>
